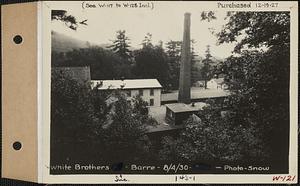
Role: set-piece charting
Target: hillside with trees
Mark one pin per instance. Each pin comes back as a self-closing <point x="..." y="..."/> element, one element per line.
<point x="120" y="60"/>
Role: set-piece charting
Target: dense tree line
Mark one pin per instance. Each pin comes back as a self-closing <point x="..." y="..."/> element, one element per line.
<point x="120" y="61"/>
<point x="259" y="76"/>
<point x="254" y="126"/>
<point x="85" y="126"/>
<point x="152" y="62"/>
<point x="104" y="64"/>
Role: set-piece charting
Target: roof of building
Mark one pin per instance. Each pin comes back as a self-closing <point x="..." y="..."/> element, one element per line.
<point x="182" y="107"/>
<point x="218" y="80"/>
<point x="159" y="114"/>
<point x="127" y="84"/>
<point x="196" y="93"/>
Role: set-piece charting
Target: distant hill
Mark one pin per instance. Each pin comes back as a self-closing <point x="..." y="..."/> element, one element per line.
<point x="64" y="43"/>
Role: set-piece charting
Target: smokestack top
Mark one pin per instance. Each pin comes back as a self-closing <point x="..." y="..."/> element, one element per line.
<point x="187" y="14"/>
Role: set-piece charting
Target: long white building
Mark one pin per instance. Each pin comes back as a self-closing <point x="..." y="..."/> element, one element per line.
<point x="148" y="89"/>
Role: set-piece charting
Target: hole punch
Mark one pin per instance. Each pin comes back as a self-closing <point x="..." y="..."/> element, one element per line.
<point x="18" y="39"/>
<point x="17" y="145"/>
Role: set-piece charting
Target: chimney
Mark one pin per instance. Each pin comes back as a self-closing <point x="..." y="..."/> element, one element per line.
<point x="184" y="95"/>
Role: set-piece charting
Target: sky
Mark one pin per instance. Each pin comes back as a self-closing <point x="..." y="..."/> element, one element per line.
<point x="164" y="22"/>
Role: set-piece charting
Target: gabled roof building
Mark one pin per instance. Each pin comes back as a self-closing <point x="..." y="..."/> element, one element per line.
<point x="148" y="89"/>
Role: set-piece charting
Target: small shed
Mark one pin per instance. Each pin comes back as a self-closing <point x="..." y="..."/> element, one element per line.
<point x="176" y="113"/>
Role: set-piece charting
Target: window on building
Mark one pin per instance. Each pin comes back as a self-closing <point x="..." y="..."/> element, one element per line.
<point x="151" y="102"/>
<point x="141" y="92"/>
<point x="151" y="92"/>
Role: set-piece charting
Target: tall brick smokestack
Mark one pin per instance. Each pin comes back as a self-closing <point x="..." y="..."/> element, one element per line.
<point x="184" y="95"/>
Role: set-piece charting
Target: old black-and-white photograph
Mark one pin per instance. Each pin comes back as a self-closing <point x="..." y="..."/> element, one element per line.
<point x="205" y="91"/>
